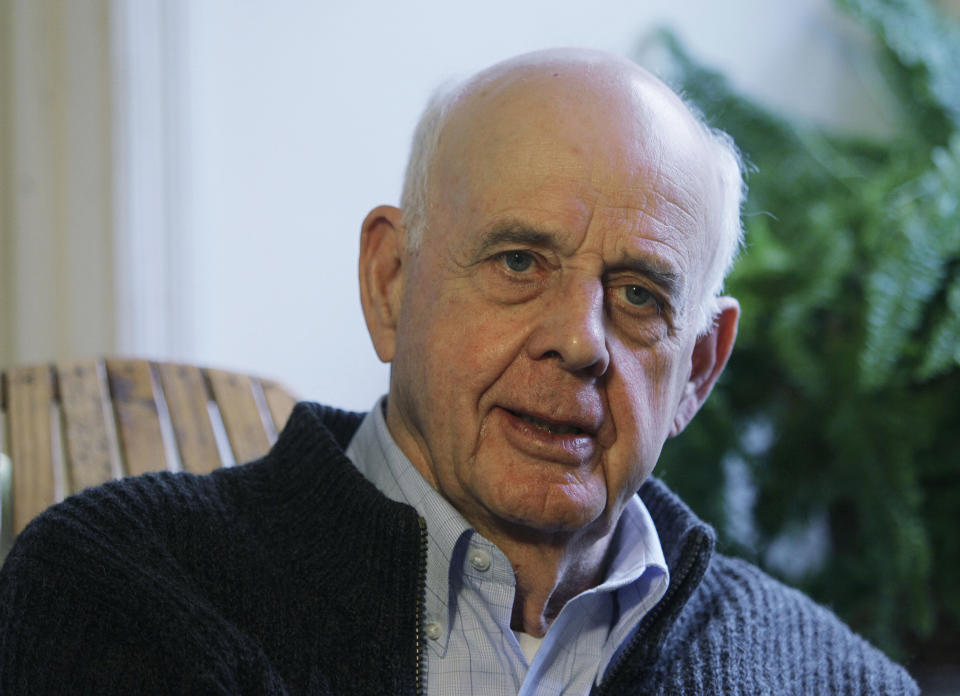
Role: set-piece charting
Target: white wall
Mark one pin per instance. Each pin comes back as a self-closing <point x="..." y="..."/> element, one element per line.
<point x="298" y="120"/>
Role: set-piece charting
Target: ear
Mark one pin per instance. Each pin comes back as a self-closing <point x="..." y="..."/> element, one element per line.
<point x="382" y="254"/>
<point x="710" y="354"/>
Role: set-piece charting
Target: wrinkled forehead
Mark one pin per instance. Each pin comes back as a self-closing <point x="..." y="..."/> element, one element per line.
<point x="608" y="127"/>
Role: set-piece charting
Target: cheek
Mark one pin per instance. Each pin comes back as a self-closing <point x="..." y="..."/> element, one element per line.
<point x="469" y="344"/>
<point x="642" y="393"/>
<point x="454" y="347"/>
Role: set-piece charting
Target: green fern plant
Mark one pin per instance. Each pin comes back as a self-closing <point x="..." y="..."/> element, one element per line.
<point x="830" y="453"/>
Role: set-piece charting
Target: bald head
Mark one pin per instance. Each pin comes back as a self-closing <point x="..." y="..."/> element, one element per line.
<point x="585" y="100"/>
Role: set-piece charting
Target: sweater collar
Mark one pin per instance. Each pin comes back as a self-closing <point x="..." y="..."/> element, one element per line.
<point x="688" y="545"/>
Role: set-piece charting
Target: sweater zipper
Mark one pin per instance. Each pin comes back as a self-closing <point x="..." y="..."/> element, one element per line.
<point x="420" y="669"/>
<point x="649" y="620"/>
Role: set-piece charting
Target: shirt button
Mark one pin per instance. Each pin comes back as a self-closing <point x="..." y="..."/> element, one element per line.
<point x="432" y="629"/>
<point x="480" y="559"/>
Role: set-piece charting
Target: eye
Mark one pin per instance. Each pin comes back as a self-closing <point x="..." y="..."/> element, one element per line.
<point x="517" y="261"/>
<point x="638" y="296"/>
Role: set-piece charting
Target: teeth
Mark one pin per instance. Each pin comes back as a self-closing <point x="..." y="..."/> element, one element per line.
<point x="550" y="427"/>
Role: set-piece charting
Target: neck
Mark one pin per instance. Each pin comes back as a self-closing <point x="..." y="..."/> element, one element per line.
<point x="550" y="572"/>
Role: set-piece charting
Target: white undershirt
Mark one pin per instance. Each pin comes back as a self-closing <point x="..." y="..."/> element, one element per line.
<point x="528" y="644"/>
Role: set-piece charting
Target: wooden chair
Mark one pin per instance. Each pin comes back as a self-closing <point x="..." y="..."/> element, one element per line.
<point x="66" y="427"/>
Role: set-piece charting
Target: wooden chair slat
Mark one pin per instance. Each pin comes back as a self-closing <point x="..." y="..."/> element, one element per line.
<point x="241" y="415"/>
<point x="91" y="454"/>
<point x="186" y="394"/>
<point x="279" y="401"/>
<point x="77" y="425"/>
<point x="29" y="404"/>
<point x="138" y="421"/>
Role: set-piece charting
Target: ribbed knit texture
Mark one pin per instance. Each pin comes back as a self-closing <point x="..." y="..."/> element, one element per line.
<point x="293" y="575"/>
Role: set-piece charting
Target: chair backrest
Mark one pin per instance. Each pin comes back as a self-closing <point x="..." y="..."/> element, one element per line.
<point x="66" y="427"/>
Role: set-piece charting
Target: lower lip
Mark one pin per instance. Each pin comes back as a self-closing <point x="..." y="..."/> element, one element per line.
<point x="569" y="449"/>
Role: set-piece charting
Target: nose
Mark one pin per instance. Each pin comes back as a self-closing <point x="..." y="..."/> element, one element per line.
<point x="571" y="328"/>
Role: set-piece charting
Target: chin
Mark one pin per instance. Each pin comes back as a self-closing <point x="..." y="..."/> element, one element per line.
<point x="556" y="516"/>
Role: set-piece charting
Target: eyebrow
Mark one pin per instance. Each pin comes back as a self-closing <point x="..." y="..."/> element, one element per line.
<point x="515" y="233"/>
<point x="669" y="280"/>
<point x="519" y="233"/>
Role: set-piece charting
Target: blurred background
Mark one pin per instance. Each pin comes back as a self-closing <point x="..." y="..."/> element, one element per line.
<point x="186" y="181"/>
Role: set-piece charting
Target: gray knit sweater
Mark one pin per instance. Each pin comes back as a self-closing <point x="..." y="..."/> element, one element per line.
<point x="294" y="575"/>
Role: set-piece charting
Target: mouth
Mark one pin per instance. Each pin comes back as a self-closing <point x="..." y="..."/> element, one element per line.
<point x="566" y="439"/>
<point x="553" y="427"/>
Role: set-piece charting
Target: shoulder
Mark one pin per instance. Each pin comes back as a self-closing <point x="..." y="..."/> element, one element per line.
<point x="115" y="515"/>
<point x="731" y="628"/>
<point x="783" y="636"/>
<point x="132" y="513"/>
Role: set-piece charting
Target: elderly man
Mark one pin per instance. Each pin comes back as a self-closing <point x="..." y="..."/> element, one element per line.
<point x="549" y="299"/>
